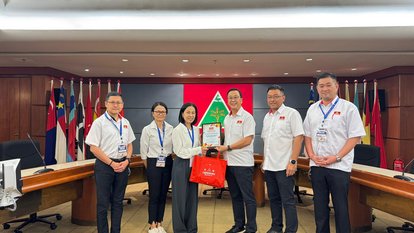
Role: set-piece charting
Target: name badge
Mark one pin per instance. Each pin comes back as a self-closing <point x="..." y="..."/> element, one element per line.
<point x="122" y="150"/>
<point x="321" y="134"/>
<point x="160" y="161"/>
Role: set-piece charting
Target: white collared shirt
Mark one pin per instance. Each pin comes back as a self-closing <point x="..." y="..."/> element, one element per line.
<point x="150" y="145"/>
<point x="237" y="127"/>
<point x="343" y="123"/>
<point x="105" y="134"/>
<point x="182" y="144"/>
<point x="279" y="129"/>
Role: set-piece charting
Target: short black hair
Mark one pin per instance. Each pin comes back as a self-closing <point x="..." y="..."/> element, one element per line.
<point x="112" y="93"/>
<point x="235" y="89"/>
<point x="159" y="103"/>
<point x="183" y="108"/>
<point x="276" y="87"/>
<point x="326" y="75"/>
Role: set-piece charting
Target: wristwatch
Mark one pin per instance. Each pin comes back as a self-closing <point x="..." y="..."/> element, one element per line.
<point x="338" y="159"/>
<point x="293" y="161"/>
<point x="229" y="148"/>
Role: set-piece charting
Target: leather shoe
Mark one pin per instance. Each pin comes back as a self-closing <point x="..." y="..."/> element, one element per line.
<point x="235" y="229"/>
<point x="273" y="231"/>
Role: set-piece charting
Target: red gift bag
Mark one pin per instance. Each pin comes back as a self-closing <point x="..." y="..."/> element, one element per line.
<point x="209" y="171"/>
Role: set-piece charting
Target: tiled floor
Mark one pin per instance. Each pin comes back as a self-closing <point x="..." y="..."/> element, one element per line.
<point x="214" y="216"/>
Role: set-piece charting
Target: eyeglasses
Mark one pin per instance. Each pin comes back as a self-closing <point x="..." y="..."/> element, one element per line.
<point x="115" y="102"/>
<point x="160" y="112"/>
<point x="234" y="98"/>
<point x="274" y="96"/>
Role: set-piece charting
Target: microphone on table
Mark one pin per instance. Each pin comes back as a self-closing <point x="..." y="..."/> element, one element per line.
<point x="404" y="177"/>
<point x="38" y="152"/>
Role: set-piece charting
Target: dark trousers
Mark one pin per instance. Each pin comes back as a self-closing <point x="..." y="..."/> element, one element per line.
<point x="159" y="179"/>
<point x="240" y="181"/>
<point x="327" y="181"/>
<point x="110" y="189"/>
<point x="280" y="192"/>
<point x="184" y="199"/>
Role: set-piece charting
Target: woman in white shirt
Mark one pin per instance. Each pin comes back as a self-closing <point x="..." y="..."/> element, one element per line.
<point x="186" y="145"/>
<point x="156" y="149"/>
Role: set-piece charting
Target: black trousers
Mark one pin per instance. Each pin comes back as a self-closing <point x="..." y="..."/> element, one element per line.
<point x="110" y="189"/>
<point x="240" y="181"/>
<point x="327" y="181"/>
<point x="159" y="179"/>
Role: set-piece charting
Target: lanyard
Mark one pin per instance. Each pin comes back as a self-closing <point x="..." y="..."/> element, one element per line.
<point x="329" y="111"/>
<point x="163" y="135"/>
<point x="191" y="136"/>
<point x="112" y="121"/>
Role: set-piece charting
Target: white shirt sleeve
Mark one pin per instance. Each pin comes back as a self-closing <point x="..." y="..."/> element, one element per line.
<point x="249" y="126"/>
<point x="296" y="124"/>
<point x="95" y="134"/>
<point x="354" y="123"/>
<point x="182" y="144"/>
<point x="131" y="135"/>
<point x="144" y="143"/>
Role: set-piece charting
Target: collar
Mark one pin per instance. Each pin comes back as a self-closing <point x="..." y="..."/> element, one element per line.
<point x="330" y="104"/>
<point x="279" y="110"/>
<point x="119" y="116"/>
<point x="239" y="113"/>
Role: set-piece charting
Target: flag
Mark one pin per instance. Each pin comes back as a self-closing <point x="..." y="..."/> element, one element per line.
<point x="356" y="101"/>
<point x="72" y="126"/>
<point x="366" y="117"/>
<point x="80" y="123"/>
<point x="97" y="110"/>
<point x="311" y="95"/>
<point x="118" y="89"/>
<point x="346" y="90"/>
<point x="377" y="128"/>
<point x="109" y="86"/>
<point x="88" y="115"/>
<point x="61" y="147"/>
<point x="51" y="129"/>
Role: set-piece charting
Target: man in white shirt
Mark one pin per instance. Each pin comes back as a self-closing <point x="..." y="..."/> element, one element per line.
<point x="332" y="127"/>
<point x="282" y="136"/>
<point x="239" y="130"/>
<point x="110" y="139"/>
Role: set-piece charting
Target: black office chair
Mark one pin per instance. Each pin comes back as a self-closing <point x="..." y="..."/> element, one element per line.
<point x="407" y="226"/>
<point x="29" y="158"/>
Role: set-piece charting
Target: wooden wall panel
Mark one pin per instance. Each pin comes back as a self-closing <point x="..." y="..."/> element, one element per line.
<point x="393" y="125"/>
<point x="407" y="96"/>
<point x="392" y="150"/>
<point x="38" y="123"/>
<point x="407" y="123"/>
<point x="4" y="115"/>
<point x="407" y="150"/>
<point x="392" y="93"/>
<point x="25" y="107"/>
<point x="14" y="108"/>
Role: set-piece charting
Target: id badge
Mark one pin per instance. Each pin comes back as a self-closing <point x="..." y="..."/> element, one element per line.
<point x="321" y="134"/>
<point x="122" y="150"/>
<point x="160" y="161"/>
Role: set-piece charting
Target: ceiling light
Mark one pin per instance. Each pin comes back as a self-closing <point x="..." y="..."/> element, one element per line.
<point x="246" y="60"/>
<point x="309" y="59"/>
<point x="199" y="75"/>
<point x="353" y="69"/>
<point x="152" y="74"/>
<point x="286" y="73"/>
<point x="86" y="70"/>
<point x="182" y="74"/>
<point x="217" y="75"/>
<point x="235" y="74"/>
<point x="253" y="74"/>
<point x="124" y="60"/>
<point x="185" y="60"/>
<point x="318" y="71"/>
<point x="121" y="72"/>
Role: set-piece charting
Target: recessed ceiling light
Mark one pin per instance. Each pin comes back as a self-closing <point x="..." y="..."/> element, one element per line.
<point x="86" y="70"/>
<point x="152" y="74"/>
<point x="253" y="74"/>
<point x="309" y="59"/>
<point x="124" y="59"/>
<point x="235" y="74"/>
<point x="121" y="72"/>
<point x="217" y="75"/>
<point x="182" y="74"/>
<point x="286" y="73"/>
<point x="353" y="69"/>
<point x="246" y="60"/>
<point x="185" y="60"/>
<point x="199" y="75"/>
<point x="318" y="71"/>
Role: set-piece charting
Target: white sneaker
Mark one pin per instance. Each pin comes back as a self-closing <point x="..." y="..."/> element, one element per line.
<point x="153" y="230"/>
<point x="161" y="229"/>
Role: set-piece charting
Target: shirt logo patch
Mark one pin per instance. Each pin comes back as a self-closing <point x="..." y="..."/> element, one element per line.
<point x="281" y="117"/>
<point x="239" y="122"/>
<point x="336" y="113"/>
<point x="125" y="126"/>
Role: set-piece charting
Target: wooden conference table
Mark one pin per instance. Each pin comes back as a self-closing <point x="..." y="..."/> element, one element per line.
<point x="370" y="187"/>
<point x="69" y="182"/>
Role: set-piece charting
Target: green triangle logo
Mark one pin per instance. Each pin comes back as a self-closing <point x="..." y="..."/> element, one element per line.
<point x="216" y="111"/>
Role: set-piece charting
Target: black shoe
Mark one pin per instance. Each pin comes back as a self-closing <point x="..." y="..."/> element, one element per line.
<point x="235" y="229"/>
<point x="273" y="231"/>
<point x="249" y="232"/>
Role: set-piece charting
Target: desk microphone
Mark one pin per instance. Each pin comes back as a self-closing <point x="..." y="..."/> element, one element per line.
<point x="402" y="176"/>
<point x="38" y="152"/>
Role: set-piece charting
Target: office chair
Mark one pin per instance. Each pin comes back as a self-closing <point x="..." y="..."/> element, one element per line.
<point x="24" y="150"/>
<point x="407" y="226"/>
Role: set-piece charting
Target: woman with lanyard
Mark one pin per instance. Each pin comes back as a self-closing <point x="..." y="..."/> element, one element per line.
<point x="186" y="145"/>
<point x="156" y="149"/>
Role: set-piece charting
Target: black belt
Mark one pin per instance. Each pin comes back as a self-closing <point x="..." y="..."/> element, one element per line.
<point x="119" y="160"/>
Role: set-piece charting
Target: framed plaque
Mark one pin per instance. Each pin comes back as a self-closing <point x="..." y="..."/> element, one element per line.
<point x="211" y="134"/>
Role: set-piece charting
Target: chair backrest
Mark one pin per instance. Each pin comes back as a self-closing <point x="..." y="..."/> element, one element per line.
<point x="22" y="149"/>
<point x="367" y="155"/>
